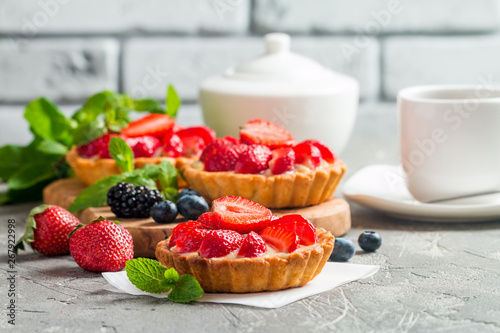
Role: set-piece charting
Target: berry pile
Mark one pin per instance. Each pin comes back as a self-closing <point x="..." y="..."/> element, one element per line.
<point x="244" y="227"/>
<point x="127" y="200"/>
<point x="263" y="145"/>
<point x="154" y="135"/>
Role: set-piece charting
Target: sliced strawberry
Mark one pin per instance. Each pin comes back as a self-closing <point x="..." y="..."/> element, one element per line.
<point x="283" y="160"/>
<point x="281" y="240"/>
<point x="207" y="219"/>
<point x="172" y="146"/>
<point x="240" y="214"/>
<point x="222" y="158"/>
<point x="143" y="146"/>
<point x="154" y="124"/>
<point x="299" y="225"/>
<point x="182" y="228"/>
<point x="220" y="142"/>
<point x="308" y="155"/>
<point x="218" y="243"/>
<point x="190" y="240"/>
<point x="263" y="132"/>
<point x="195" y="139"/>
<point x="253" y="246"/>
<point x="326" y="153"/>
<point x="255" y="159"/>
<point x="99" y="146"/>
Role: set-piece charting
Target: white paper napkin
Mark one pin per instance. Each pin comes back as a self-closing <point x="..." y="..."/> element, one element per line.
<point x="332" y="276"/>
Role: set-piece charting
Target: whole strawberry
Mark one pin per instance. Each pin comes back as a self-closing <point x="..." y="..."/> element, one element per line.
<point x="101" y="246"/>
<point x="47" y="230"/>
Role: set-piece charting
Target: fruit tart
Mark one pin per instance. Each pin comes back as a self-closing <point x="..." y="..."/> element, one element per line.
<point x="266" y="165"/>
<point x="240" y="247"/>
<point x="152" y="139"/>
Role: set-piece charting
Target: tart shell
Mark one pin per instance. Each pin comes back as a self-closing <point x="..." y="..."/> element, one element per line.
<point x="297" y="189"/>
<point x="90" y="170"/>
<point x="248" y="275"/>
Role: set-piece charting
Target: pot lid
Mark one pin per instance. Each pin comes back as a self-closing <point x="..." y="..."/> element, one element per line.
<point x="279" y="64"/>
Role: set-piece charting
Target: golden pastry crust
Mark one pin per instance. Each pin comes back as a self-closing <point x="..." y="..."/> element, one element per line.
<point x="297" y="189"/>
<point x="90" y="170"/>
<point x="248" y="275"/>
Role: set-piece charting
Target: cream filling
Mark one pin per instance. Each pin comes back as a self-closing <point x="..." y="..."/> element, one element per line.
<point x="270" y="252"/>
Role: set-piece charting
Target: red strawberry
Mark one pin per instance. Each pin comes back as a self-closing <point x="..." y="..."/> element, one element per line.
<point x="221" y="142"/>
<point x="143" y="146"/>
<point x="99" y="146"/>
<point x="308" y="155"/>
<point x="255" y="159"/>
<point x="190" y="241"/>
<point x="326" y="153"/>
<point x="194" y="139"/>
<point x="47" y="230"/>
<point x="154" y="124"/>
<point x="253" y="246"/>
<point x="218" y="243"/>
<point x="207" y="219"/>
<point x="283" y="160"/>
<point x="101" y="246"/>
<point x="182" y="228"/>
<point x="299" y="225"/>
<point x="222" y="158"/>
<point x="263" y="132"/>
<point x="281" y="240"/>
<point x="172" y="145"/>
<point x="240" y="214"/>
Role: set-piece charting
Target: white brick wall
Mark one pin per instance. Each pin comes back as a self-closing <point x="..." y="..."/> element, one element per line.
<point x="412" y="61"/>
<point x="374" y="16"/>
<point x="118" y="16"/>
<point x="62" y="69"/>
<point x="185" y="62"/>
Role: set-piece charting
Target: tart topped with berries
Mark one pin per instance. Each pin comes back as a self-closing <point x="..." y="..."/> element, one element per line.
<point x="152" y="139"/>
<point x="240" y="247"/>
<point x="266" y="165"/>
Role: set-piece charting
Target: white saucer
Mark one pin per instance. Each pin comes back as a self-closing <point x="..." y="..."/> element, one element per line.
<point x="382" y="187"/>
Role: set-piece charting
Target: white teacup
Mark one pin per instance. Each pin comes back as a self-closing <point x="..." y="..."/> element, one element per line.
<point x="450" y="140"/>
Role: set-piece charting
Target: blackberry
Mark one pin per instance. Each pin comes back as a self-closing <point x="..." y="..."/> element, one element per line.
<point x="127" y="200"/>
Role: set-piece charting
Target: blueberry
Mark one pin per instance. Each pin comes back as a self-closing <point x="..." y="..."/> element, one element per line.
<point x="192" y="206"/>
<point x="343" y="249"/>
<point x="369" y="241"/>
<point x="188" y="191"/>
<point x="164" y="212"/>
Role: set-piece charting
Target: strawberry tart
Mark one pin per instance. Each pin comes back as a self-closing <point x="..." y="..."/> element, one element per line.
<point x="266" y="165"/>
<point x="152" y="139"/>
<point x="240" y="247"/>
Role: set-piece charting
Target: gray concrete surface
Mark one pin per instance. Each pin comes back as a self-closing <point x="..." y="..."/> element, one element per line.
<point x="433" y="277"/>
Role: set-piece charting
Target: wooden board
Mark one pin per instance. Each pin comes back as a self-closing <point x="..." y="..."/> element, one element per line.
<point x="333" y="215"/>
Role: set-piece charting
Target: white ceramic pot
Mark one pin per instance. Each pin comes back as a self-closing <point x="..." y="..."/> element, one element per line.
<point x="309" y="100"/>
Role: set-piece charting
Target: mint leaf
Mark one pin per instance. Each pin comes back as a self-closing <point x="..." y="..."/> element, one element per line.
<point x="89" y="131"/>
<point x="31" y="174"/>
<point x="139" y="180"/>
<point x="122" y="154"/>
<point x="47" y="121"/>
<point x="11" y="160"/>
<point x="95" y="195"/>
<point x="186" y="290"/>
<point x="148" y="105"/>
<point x="168" y="180"/>
<point x="4" y="198"/>
<point x="171" y="275"/>
<point x="50" y="147"/>
<point x="147" y="275"/>
<point x="173" y="102"/>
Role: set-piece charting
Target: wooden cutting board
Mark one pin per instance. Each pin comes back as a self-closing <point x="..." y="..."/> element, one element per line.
<point x="333" y="215"/>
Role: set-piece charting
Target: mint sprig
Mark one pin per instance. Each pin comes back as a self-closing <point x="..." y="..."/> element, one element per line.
<point x="150" y="276"/>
